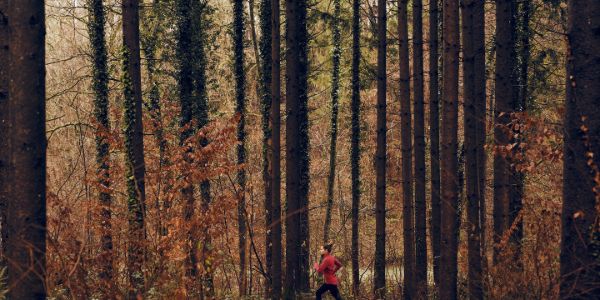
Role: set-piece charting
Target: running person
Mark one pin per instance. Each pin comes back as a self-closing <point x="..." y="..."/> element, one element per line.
<point x="329" y="265"/>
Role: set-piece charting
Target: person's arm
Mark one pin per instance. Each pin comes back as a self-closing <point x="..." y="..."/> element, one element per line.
<point x="337" y="265"/>
<point x="321" y="268"/>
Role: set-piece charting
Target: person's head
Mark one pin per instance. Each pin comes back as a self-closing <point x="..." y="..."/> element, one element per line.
<point x="326" y="248"/>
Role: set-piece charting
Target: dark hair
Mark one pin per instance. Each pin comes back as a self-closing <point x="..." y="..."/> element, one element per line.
<point x="328" y="246"/>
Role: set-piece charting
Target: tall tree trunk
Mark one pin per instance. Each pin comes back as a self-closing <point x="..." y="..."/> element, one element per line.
<point x="355" y="146"/>
<point x="149" y="41"/>
<point x="26" y="211"/>
<point x="275" y="122"/>
<point x="472" y="145"/>
<point x="520" y="71"/>
<point x="409" y="289"/>
<point x="4" y="121"/>
<point x="101" y="103"/>
<point x="480" y="114"/>
<point x="380" y="154"/>
<point x="434" y="137"/>
<point x="419" y="141"/>
<point x="265" y="93"/>
<point x="504" y="107"/>
<point x="185" y="86"/>
<point x="297" y="146"/>
<point x="200" y="118"/>
<point x="335" y="95"/>
<point x="580" y="226"/>
<point x="134" y="144"/>
<point x="449" y="163"/>
<point x="240" y="109"/>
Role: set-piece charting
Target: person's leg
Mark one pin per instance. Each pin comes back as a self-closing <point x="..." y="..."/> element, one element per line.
<point x="321" y="291"/>
<point x="335" y="292"/>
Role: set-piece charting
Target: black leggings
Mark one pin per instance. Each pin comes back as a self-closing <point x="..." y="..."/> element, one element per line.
<point x="329" y="287"/>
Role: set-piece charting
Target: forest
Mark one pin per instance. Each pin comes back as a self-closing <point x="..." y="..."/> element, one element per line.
<point x="232" y="149"/>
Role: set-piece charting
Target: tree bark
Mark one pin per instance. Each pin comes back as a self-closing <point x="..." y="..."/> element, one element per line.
<point x="4" y="126"/>
<point x="200" y="118"/>
<point x="26" y="211"/>
<point x="335" y="91"/>
<point x="472" y="145"/>
<point x="380" y="154"/>
<point x="480" y="114"/>
<point x="504" y="107"/>
<point x="150" y="39"/>
<point x="355" y="146"/>
<point x="434" y="136"/>
<point x="265" y="93"/>
<point x="275" y="122"/>
<point x="408" y="212"/>
<point x="449" y="144"/>
<point x="134" y="144"/>
<point x="240" y="109"/>
<point x="419" y="152"/>
<point x="101" y="104"/>
<point x="580" y="225"/>
<point x="185" y="86"/>
<point x="297" y="146"/>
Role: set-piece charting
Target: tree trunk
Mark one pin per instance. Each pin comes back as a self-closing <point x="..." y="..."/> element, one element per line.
<point x="380" y="154"/>
<point x="297" y="146"/>
<point x="449" y="163"/>
<point x="408" y="214"/>
<point x="134" y="144"/>
<point x="355" y="146"/>
<point x="335" y="94"/>
<point x="434" y="137"/>
<point x="101" y="103"/>
<point x="240" y="109"/>
<point x="480" y="114"/>
<point x="4" y="127"/>
<point x="26" y="211"/>
<point x="200" y="118"/>
<point x="472" y="145"/>
<point x="275" y="122"/>
<point x="580" y="225"/>
<point x="265" y="94"/>
<point x="419" y="142"/>
<point x="521" y="54"/>
<point x="504" y="107"/>
<point x="150" y="39"/>
<point x="185" y="86"/>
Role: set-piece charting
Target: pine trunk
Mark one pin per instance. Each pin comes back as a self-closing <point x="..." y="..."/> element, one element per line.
<point x="449" y="144"/>
<point x="580" y="226"/>
<point x="297" y="146"/>
<point x="480" y="114"/>
<point x="335" y="95"/>
<point x="134" y="144"/>
<point x="380" y="154"/>
<point x="150" y="39"/>
<point x="26" y="211"/>
<point x="434" y="136"/>
<point x="419" y="152"/>
<point x="275" y="122"/>
<point x="355" y="146"/>
<point x="240" y="109"/>
<point x="472" y="146"/>
<point x="267" y="150"/>
<point x="185" y="87"/>
<point x="504" y="107"/>
<point x="4" y="121"/>
<point x="101" y="104"/>
<point x="408" y="212"/>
